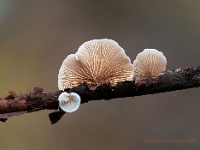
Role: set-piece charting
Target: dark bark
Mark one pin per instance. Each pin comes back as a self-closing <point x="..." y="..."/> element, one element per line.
<point x="14" y="104"/>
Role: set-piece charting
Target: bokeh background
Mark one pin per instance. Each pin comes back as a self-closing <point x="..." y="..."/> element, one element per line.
<point x="36" y="36"/>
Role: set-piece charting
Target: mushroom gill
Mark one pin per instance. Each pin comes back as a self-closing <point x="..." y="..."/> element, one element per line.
<point x="96" y="62"/>
<point x="149" y="63"/>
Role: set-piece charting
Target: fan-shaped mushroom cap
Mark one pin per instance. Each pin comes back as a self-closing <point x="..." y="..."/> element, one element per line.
<point x="69" y="102"/>
<point x="70" y="73"/>
<point x="149" y="63"/>
<point x="96" y="62"/>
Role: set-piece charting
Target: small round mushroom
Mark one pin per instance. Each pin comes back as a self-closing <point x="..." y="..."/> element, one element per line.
<point x="96" y="62"/>
<point x="69" y="102"/>
<point x="149" y="63"/>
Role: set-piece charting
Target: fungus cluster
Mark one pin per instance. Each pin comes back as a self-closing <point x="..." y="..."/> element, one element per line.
<point x="96" y="62"/>
<point x="102" y="61"/>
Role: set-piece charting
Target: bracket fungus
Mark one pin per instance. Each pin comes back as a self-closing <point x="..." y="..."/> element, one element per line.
<point x="69" y="102"/>
<point x="149" y="63"/>
<point x="96" y="62"/>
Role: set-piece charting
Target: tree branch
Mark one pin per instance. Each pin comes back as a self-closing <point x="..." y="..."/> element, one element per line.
<point x="14" y="104"/>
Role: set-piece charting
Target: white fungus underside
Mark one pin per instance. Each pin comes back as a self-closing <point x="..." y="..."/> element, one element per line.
<point x="149" y="63"/>
<point x="69" y="102"/>
<point x="96" y="62"/>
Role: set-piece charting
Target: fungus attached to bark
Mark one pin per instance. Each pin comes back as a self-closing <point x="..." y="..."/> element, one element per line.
<point x="69" y="102"/>
<point x="96" y="62"/>
<point x="149" y="63"/>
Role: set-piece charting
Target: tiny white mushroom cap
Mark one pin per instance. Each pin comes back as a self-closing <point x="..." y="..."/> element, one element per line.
<point x="69" y="102"/>
<point x="149" y="63"/>
<point x="96" y="62"/>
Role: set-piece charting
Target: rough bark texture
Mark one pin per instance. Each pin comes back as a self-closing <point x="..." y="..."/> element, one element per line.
<point x="14" y="104"/>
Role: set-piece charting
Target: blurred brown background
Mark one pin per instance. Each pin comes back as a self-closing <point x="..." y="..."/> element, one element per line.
<point x="36" y="36"/>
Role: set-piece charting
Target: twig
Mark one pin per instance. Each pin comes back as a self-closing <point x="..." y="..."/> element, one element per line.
<point x="14" y="104"/>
